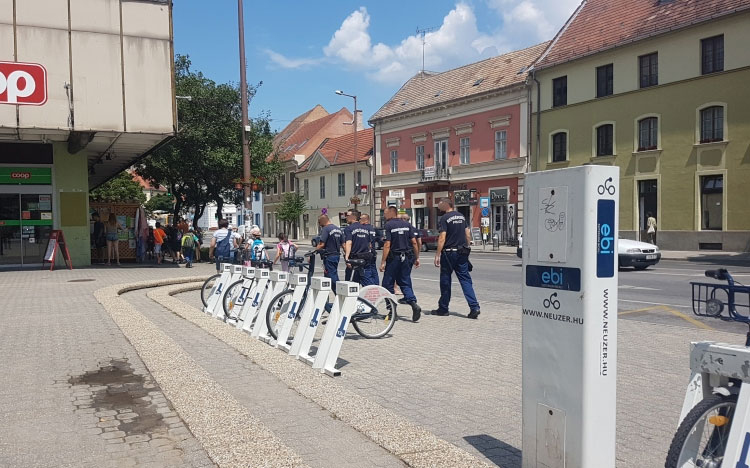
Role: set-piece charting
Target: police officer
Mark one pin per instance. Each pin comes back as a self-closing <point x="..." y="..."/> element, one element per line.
<point x="352" y="222"/>
<point x="399" y="254"/>
<point x="358" y="245"/>
<point x="452" y="255"/>
<point x="331" y="239"/>
<point x="417" y="236"/>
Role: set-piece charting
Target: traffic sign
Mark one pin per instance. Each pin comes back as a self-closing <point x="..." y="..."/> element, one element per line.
<point x="485" y="211"/>
<point x="484" y="202"/>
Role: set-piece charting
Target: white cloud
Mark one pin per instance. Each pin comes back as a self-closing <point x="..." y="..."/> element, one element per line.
<point x="285" y="62"/>
<point x="456" y="42"/>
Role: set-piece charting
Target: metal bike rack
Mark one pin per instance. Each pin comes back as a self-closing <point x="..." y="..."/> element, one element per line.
<point x="310" y="319"/>
<point x="218" y="290"/>
<point x="248" y="275"/>
<point x="235" y="273"/>
<point x="710" y="363"/>
<point x="278" y="284"/>
<point x="338" y="322"/>
<point x="285" y="322"/>
<point x="258" y="290"/>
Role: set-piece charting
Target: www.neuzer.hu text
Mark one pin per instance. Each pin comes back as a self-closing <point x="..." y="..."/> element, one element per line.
<point x="554" y="316"/>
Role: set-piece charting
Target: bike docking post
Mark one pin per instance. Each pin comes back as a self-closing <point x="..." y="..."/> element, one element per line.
<point x="250" y="309"/>
<point x="569" y="317"/>
<point x="235" y="275"/>
<point x="217" y="292"/>
<point x="278" y="284"/>
<point x="285" y="322"/>
<point x="335" y="332"/>
<point x="248" y="276"/>
<point x="310" y="319"/>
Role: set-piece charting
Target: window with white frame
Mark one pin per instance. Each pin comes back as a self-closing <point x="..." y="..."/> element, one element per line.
<point x="322" y="187"/>
<point x="604" y="140"/>
<point x="283" y="183"/>
<point x="501" y="144"/>
<point x="463" y="146"/>
<point x="292" y="178"/>
<point x="394" y="161"/>
<point x="342" y="184"/>
<point x="306" y="190"/>
<point x="559" y="147"/>
<point x="420" y="157"/>
<point x="648" y="134"/>
<point x="275" y="186"/>
<point x="712" y="124"/>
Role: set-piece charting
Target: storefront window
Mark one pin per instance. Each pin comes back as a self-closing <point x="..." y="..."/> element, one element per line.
<point x="712" y="198"/>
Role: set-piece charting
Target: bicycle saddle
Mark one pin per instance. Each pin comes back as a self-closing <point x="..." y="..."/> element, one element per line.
<point x="720" y="274"/>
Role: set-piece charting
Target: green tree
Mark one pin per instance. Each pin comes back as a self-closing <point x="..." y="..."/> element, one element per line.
<point x="204" y="160"/>
<point x="121" y="188"/>
<point x="293" y="205"/>
<point x="160" y="202"/>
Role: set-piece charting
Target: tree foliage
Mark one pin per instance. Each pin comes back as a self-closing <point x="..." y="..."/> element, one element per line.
<point x="121" y="188"/>
<point x="293" y="205"/>
<point x="160" y="202"/>
<point x="202" y="163"/>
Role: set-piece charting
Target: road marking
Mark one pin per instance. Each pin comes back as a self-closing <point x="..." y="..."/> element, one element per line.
<point x="672" y="311"/>
<point x="642" y="288"/>
<point x="657" y="303"/>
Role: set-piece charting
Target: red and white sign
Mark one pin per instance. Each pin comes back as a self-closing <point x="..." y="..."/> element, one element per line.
<point x="23" y="83"/>
<point x="20" y="175"/>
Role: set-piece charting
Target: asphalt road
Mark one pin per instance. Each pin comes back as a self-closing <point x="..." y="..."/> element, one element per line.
<point x="659" y="294"/>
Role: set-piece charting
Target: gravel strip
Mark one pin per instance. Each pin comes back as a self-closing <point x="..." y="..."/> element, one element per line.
<point x="231" y="436"/>
<point x="413" y="444"/>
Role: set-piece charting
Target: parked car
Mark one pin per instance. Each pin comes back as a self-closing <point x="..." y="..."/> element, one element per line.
<point x="639" y="255"/>
<point x="429" y="239"/>
<point x="630" y="253"/>
<point x="379" y="238"/>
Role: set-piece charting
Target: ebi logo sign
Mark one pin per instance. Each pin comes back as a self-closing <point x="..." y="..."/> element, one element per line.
<point x="605" y="239"/>
<point x="23" y="84"/>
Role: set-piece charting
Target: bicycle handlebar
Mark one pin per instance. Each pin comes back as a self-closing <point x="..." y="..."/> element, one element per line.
<point x="721" y="274"/>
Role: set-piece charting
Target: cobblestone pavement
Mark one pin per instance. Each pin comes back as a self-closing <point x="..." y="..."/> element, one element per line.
<point x="75" y="392"/>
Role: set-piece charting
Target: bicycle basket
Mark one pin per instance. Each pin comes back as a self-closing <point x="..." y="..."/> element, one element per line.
<point x="722" y="301"/>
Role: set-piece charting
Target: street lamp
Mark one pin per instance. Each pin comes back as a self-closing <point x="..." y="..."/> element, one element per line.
<point x="355" y="198"/>
<point x="247" y="215"/>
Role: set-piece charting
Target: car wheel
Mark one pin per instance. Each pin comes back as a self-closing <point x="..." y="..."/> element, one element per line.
<point x="640" y="267"/>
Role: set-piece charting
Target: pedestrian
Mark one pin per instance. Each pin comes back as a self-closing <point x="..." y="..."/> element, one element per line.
<point x="352" y="222"/>
<point x="257" y="248"/>
<point x="150" y="243"/>
<point x="370" y="272"/>
<point x="414" y="231"/>
<point x="98" y="237"/>
<point x="400" y="253"/>
<point x="221" y="245"/>
<point x="112" y="228"/>
<point x="651" y="228"/>
<point x="358" y="246"/>
<point x="159" y="237"/>
<point x="199" y="244"/>
<point x="234" y="246"/>
<point x="331" y="239"/>
<point x="452" y="256"/>
<point x="189" y="241"/>
<point x="285" y="251"/>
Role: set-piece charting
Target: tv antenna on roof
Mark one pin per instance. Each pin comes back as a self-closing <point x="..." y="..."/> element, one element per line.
<point x="422" y="33"/>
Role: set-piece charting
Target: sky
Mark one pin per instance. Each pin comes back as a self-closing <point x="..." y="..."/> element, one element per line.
<point x="303" y="51"/>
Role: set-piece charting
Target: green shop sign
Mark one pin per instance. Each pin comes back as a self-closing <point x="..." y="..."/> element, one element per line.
<point x="25" y="176"/>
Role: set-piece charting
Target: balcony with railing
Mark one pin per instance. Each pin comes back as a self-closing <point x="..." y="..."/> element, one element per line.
<point x="435" y="175"/>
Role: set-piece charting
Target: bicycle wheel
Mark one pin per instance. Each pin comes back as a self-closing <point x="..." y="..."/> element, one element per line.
<point x="230" y="297"/>
<point x="208" y="288"/>
<point x="279" y="307"/>
<point x="374" y="320"/>
<point x="702" y="437"/>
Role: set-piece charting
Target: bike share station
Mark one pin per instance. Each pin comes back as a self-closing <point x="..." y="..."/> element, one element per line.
<point x="248" y="306"/>
<point x="569" y="338"/>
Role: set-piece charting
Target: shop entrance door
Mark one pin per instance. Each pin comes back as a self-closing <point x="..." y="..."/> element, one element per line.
<point x="25" y="226"/>
<point x="648" y="191"/>
<point x="501" y="222"/>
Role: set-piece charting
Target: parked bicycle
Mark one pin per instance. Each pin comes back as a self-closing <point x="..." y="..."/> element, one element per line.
<point x="208" y="286"/>
<point x="369" y="320"/>
<point x="239" y="289"/>
<point x="702" y="436"/>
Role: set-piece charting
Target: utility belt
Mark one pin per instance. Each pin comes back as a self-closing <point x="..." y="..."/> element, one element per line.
<point x="363" y="256"/>
<point x="465" y="250"/>
<point x="404" y="255"/>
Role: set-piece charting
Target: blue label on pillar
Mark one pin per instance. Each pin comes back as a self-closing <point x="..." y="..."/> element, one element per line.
<point x="568" y="279"/>
<point x="605" y="239"/>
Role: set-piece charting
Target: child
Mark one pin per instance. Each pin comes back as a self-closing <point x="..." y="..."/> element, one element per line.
<point x="257" y="248"/>
<point x="188" y="243"/>
<point x="285" y="251"/>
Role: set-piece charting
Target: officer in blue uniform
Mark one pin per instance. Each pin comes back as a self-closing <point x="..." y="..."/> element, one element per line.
<point x="417" y="237"/>
<point x="371" y="270"/>
<point x="352" y="219"/>
<point x="358" y="246"/>
<point x="399" y="254"/>
<point x="452" y="256"/>
<point x="331" y="239"/>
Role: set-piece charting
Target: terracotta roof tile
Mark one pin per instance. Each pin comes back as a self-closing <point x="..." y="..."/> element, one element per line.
<point x="308" y="136"/>
<point x="599" y="25"/>
<point x="340" y="150"/>
<point x="429" y="89"/>
<point x="315" y="113"/>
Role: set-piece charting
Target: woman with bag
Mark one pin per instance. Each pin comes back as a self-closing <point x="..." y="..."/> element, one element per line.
<point x="651" y="228"/>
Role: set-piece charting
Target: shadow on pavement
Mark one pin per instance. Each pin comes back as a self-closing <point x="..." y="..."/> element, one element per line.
<point x="496" y="451"/>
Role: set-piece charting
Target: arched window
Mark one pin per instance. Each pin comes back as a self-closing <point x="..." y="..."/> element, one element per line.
<point x="559" y="147"/>
<point x="605" y="140"/>
<point x="712" y="124"/>
<point x="648" y="131"/>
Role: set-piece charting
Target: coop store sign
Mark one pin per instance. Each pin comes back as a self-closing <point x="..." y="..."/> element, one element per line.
<point x="25" y="176"/>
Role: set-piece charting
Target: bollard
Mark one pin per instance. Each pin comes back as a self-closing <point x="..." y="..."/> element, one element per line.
<point x="250" y="309"/>
<point x="569" y="317"/>
<point x="335" y="332"/>
<point x="277" y="284"/>
<point x="286" y="322"/>
<point x="310" y="319"/>
<point x="235" y="273"/>
<point x="218" y="289"/>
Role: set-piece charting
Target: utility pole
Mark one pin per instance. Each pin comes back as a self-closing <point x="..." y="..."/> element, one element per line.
<point x="422" y="33"/>
<point x="247" y="195"/>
